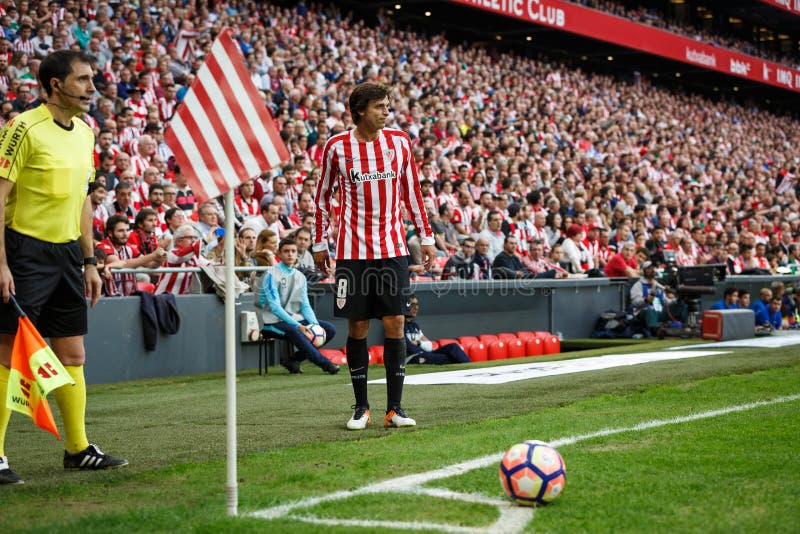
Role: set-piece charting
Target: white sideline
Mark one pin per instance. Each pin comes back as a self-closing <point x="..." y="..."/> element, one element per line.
<point x="513" y="519"/>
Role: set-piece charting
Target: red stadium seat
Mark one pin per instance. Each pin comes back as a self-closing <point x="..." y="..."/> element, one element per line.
<point x="506" y="337"/>
<point x="335" y="356"/>
<point x="146" y="287"/>
<point x="467" y="341"/>
<point x="440" y="261"/>
<point x="478" y="352"/>
<point x="445" y="341"/>
<point x="552" y="345"/>
<point x="526" y="335"/>
<point x="487" y="338"/>
<point x="534" y="347"/>
<point x="516" y="348"/>
<point x="498" y="350"/>
<point x="376" y="354"/>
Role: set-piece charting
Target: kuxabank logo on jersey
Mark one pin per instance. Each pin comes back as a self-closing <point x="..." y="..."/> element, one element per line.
<point x="358" y="177"/>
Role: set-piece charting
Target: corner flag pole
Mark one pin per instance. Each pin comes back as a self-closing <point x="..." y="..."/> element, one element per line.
<point x="231" y="485"/>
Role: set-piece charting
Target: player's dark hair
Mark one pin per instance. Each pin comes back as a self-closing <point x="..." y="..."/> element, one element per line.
<point x="58" y="65"/>
<point x="362" y="95"/>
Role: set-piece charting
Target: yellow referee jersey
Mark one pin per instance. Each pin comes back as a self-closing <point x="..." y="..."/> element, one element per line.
<point x="51" y="167"/>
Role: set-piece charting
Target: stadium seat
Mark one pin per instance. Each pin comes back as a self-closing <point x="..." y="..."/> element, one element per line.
<point x="440" y="261"/>
<point x="467" y="341"/>
<point x="445" y="341"/>
<point x="534" y="347"/>
<point x="434" y="345"/>
<point x="516" y="348"/>
<point x="376" y="354"/>
<point x="551" y="343"/>
<point x="335" y="356"/>
<point x="487" y="338"/>
<point x="146" y="287"/>
<point x="498" y="350"/>
<point x="478" y="352"/>
<point x="526" y="335"/>
<point x="506" y="337"/>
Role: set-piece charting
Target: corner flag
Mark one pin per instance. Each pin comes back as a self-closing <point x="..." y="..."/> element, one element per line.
<point x="222" y="133"/>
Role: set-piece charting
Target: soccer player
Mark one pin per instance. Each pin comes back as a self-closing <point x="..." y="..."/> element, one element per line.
<point x="46" y="219"/>
<point x="375" y="171"/>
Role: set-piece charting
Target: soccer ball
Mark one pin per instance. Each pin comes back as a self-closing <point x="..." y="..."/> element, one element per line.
<point x="316" y="335"/>
<point x="532" y="472"/>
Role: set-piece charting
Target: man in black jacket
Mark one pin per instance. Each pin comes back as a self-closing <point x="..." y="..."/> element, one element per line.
<point x="507" y="264"/>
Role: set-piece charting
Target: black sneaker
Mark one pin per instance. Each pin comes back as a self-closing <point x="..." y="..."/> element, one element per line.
<point x="331" y="368"/>
<point x="91" y="459"/>
<point x="7" y="476"/>
<point x="292" y="366"/>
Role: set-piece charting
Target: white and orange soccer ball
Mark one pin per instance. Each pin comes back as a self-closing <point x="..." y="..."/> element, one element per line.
<point x="316" y="335"/>
<point x="532" y="472"/>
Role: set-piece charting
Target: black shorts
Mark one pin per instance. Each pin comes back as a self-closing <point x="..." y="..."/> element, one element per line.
<point x="49" y="286"/>
<point x="370" y="289"/>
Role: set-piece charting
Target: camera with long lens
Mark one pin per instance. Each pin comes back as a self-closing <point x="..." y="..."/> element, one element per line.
<point x="689" y="283"/>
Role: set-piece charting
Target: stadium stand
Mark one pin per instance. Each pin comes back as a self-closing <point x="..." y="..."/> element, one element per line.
<point x="521" y="135"/>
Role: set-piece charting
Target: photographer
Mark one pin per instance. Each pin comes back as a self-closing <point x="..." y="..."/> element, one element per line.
<point x="653" y="304"/>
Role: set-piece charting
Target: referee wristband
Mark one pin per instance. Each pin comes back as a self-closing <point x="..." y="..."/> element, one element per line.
<point x="90" y="261"/>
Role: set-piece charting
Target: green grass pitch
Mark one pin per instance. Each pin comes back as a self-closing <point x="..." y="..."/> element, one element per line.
<point x="733" y="472"/>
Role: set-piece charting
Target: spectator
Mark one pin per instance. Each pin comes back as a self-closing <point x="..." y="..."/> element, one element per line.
<point x="572" y="248"/>
<point x="492" y="234"/>
<point x="507" y="264"/>
<point x="481" y="259"/>
<point x="460" y="264"/>
<point x="623" y="264"/>
<point x="185" y="253"/>
<point x="121" y="255"/>
<point x="266" y="248"/>
<point x="539" y="265"/>
<point x="287" y="312"/>
<point x="419" y="349"/>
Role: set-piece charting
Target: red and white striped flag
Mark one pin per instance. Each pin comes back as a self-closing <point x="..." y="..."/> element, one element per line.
<point x="222" y="133"/>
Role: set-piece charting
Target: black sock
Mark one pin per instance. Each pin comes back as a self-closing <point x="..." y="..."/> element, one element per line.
<point x="394" y="361"/>
<point x="358" y="362"/>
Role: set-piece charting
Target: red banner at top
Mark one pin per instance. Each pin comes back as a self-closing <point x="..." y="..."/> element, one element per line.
<point x="792" y="6"/>
<point x="610" y="28"/>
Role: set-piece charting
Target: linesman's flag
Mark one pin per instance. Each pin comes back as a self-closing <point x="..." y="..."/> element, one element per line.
<point x="35" y="372"/>
<point x="222" y="133"/>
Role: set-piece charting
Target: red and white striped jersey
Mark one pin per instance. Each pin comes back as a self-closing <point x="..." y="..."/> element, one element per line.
<point x="139" y="112"/>
<point x="166" y="108"/>
<point x="373" y="178"/>
<point x="180" y="283"/>
<point x="139" y="164"/>
<point x="246" y="208"/>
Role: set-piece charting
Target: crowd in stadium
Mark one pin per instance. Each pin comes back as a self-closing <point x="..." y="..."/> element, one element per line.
<point x="652" y="17"/>
<point x="528" y="167"/>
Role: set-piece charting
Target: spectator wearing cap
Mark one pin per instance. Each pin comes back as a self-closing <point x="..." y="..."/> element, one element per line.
<point x="138" y="105"/>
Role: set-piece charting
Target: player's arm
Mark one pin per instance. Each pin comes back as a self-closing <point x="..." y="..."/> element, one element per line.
<point x="414" y="206"/>
<point x="6" y="279"/>
<point x="322" y="200"/>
